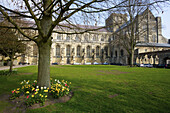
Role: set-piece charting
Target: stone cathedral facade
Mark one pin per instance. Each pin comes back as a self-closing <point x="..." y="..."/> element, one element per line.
<point x="102" y="46"/>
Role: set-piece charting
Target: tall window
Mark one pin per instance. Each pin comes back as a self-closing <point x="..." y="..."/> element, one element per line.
<point x="116" y="53"/>
<point x="106" y="50"/>
<point x="95" y="38"/>
<point x="86" y="38"/>
<point x="77" y="38"/>
<point x="59" y="37"/>
<point x="68" y="37"/>
<point x="78" y="50"/>
<point x="68" y="50"/>
<point x="57" y="50"/>
<point x="88" y="51"/>
<point x="97" y="51"/>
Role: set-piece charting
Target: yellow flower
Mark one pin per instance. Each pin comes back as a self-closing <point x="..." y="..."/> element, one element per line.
<point x="70" y="82"/>
<point x="36" y="93"/>
<point x="17" y="91"/>
<point x="45" y="96"/>
<point x="37" y="89"/>
<point x="47" y="88"/>
<point x="46" y="91"/>
<point x="18" y="88"/>
<point x="32" y="95"/>
<point x="39" y="94"/>
<point x="42" y="96"/>
<point x="27" y="92"/>
<point x="28" y="81"/>
<point x="33" y="89"/>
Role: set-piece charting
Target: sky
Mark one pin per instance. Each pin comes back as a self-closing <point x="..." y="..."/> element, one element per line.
<point x="165" y="21"/>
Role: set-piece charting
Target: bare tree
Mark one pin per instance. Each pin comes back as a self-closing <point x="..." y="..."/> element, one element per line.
<point x="130" y="22"/>
<point x="10" y="46"/>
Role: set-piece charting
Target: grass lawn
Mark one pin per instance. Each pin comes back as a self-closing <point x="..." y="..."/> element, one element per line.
<point x="102" y="89"/>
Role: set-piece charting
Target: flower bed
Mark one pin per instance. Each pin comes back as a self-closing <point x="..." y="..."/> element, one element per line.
<point x="34" y="94"/>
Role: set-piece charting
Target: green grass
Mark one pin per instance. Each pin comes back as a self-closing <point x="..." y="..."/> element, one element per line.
<point x="133" y="90"/>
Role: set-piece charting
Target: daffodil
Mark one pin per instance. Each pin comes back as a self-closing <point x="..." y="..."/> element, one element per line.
<point x="46" y="91"/>
<point x="33" y="89"/>
<point x="37" y="89"/>
<point x="32" y="95"/>
<point x="27" y="92"/>
<point x="45" y="96"/>
<point x="39" y="94"/>
<point x="42" y="96"/>
<point x="18" y="88"/>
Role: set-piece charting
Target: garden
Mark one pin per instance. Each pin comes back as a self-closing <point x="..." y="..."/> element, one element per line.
<point x="100" y="88"/>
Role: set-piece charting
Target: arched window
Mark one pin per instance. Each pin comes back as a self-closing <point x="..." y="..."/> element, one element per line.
<point x="86" y="38"/>
<point x="106" y="50"/>
<point x="68" y="50"/>
<point x="88" y="51"/>
<point x="77" y="38"/>
<point x="57" y="50"/>
<point x="95" y="38"/>
<point x="97" y="51"/>
<point x="78" y="50"/>
<point x="68" y="37"/>
<point x="121" y="52"/>
<point x="59" y="37"/>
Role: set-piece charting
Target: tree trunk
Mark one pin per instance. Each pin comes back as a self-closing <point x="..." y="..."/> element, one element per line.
<point x="131" y="58"/>
<point x="44" y="63"/>
<point x="11" y="65"/>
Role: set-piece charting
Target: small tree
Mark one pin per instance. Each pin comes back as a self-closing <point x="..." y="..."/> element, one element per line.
<point x="10" y="46"/>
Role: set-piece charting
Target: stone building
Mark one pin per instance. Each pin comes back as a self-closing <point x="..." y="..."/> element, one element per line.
<point x="103" y="46"/>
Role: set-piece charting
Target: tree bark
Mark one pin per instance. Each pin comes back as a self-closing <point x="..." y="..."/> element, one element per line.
<point x="11" y="65"/>
<point x="131" y="58"/>
<point x="44" y="63"/>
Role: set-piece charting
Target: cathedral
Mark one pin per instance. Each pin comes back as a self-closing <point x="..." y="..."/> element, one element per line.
<point x="104" y="46"/>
